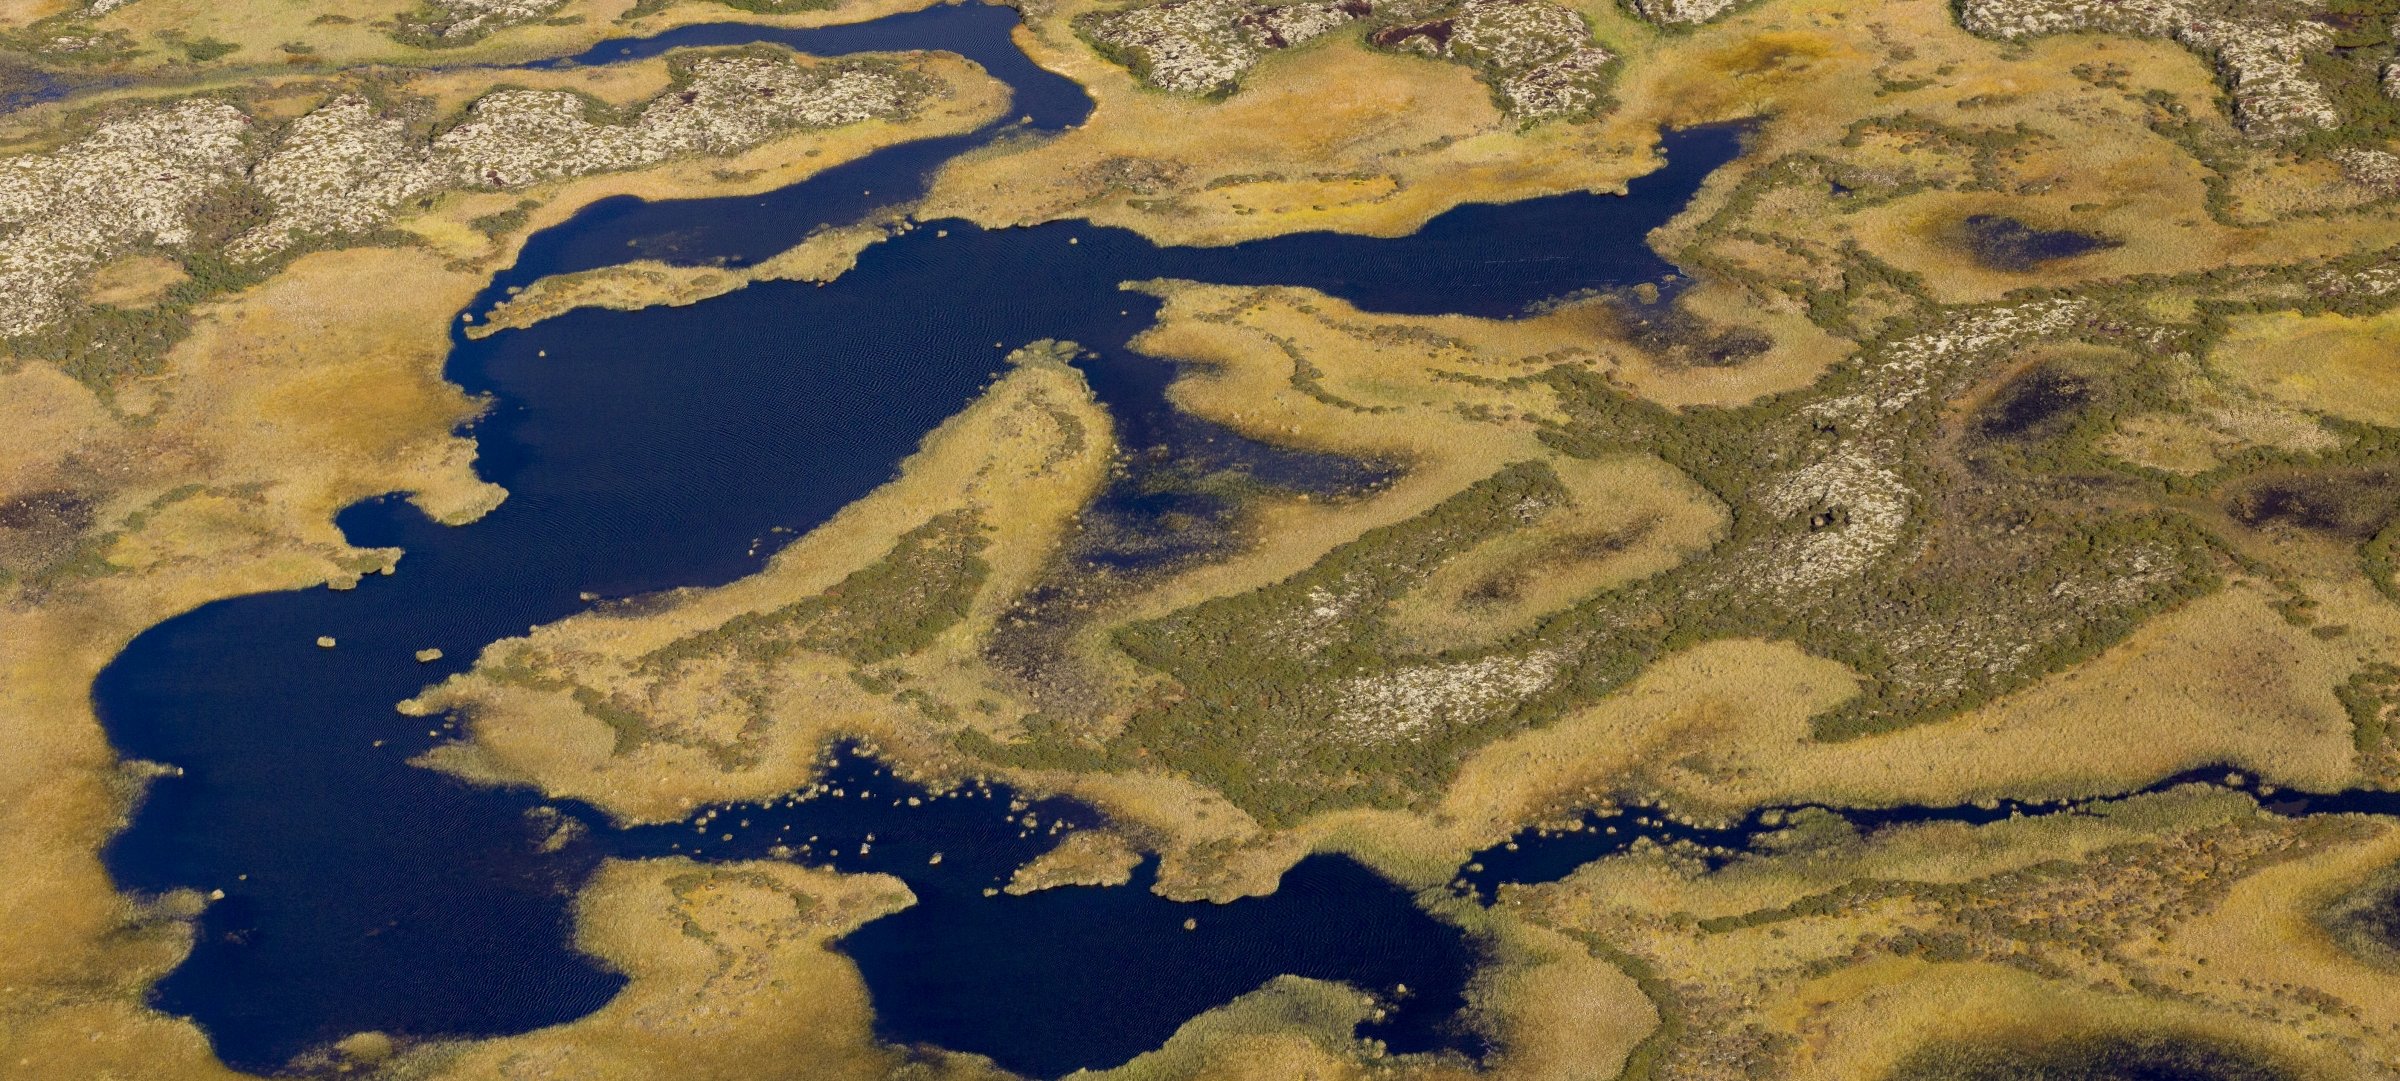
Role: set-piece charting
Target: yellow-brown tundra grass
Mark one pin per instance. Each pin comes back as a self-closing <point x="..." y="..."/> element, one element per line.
<point x="734" y="968"/>
<point x="1023" y="459"/>
<point x="2183" y="916"/>
<point x="315" y="389"/>
<point x="360" y="33"/>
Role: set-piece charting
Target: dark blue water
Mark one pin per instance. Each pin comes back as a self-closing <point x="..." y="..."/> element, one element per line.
<point x="652" y="449"/>
<point x="740" y="230"/>
<point x="1059" y="970"/>
<point x="1546" y="855"/>
<point x="2008" y="244"/>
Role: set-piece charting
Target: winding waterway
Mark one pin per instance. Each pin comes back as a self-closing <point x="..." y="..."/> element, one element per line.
<point x="671" y="447"/>
<point x="1549" y="853"/>
<point x="666" y="447"/>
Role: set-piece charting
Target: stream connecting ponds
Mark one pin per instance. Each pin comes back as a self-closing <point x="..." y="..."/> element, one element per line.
<point x="653" y="449"/>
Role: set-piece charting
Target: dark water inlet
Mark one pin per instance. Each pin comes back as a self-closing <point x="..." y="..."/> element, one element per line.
<point x="740" y="230"/>
<point x="1544" y="854"/>
<point x="959" y="968"/>
<point x="648" y="450"/>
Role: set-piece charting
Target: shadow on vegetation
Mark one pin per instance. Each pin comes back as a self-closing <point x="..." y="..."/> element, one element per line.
<point x="2034" y="405"/>
<point x="2366" y="920"/>
<point x="2351" y="505"/>
<point x="2143" y="1057"/>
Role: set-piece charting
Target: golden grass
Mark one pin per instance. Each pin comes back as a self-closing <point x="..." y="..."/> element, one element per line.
<point x="288" y="401"/>
<point x="1631" y="518"/>
<point x="2221" y="417"/>
<point x="2170" y="442"/>
<point x="50" y="414"/>
<point x="1564" y="1014"/>
<point x="1808" y="947"/>
<point x="1098" y="857"/>
<point x="1328" y="137"/>
<point x="1798" y="351"/>
<point x="649" y="283"/>
<point x="341" y="409"/>
<point x="1026" y="456"/>
<point x="731" y="966"/>
<point x="2263" y="943"/>
<point x="135" y="281"/>
<point x="1860" y="1022"/>
<point x="1289" y="1028"/>
<point x="360" y="32"/>
<point x="2347" y="366"/>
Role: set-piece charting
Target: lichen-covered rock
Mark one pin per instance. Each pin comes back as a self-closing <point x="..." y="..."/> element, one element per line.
<point x="344" y="169"/>
<point x="2272" y="93"/>
<point x="2028" y="18"/>
<point x="2258" y="48"/>
<point x="1411" y="703"/>
<point x="2377" y="169"/>
<point x="1514" y="35"/>
<point x="1859" y="510"/>
<point x="1206" y="46"/>
<point x="1571" y="85"/>
<point x="518" y="137"/>
<point x="457" y="22"/>
<point x="137" y="180"/>
<point x="1856" y="507"/>
<point x="1537" y="55"/>
<point x="1681" y="12"/>
<point x="338" y="170"/>
<point x="1298" y="24"/>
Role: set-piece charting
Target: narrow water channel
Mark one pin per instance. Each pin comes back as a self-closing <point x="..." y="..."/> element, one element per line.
<point x="1550" y="853"/>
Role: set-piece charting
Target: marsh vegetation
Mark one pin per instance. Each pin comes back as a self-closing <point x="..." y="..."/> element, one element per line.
<point x="2019" y="421"/>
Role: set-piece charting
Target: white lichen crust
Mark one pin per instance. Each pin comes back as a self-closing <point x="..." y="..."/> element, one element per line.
<point x="1682" y="12"/>
<point x="2377" y="169"/>
<point x="2257" y="47"/>
<point x="1853" y="507"/>
<point x="344" y="169"/>
<point x="1857" y="508"/>
<point x="135" y="181"/>
<point x="1538" y="56"/>
<point x="1408" y="703"/>
<point x="1206" y="46"/>
<point x="456" y="22"/>
<point x="518" y="137"/>
<point x="339" y="169"/>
